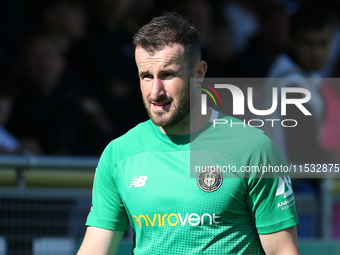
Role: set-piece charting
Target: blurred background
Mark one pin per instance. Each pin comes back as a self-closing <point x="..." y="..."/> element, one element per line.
<point x="69" y="85"/>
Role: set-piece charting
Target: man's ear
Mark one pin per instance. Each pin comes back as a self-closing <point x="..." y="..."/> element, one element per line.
<point x="200" y="70"/>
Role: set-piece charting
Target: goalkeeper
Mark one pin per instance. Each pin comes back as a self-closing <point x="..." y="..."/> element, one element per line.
<point x="143" y="177"/>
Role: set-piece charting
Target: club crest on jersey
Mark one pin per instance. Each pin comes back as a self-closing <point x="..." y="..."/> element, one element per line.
<point x="209" y="179"/>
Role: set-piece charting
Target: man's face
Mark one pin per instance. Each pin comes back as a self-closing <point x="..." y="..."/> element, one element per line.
<point x="165" y="84"/>
<point x="312" y="48"/>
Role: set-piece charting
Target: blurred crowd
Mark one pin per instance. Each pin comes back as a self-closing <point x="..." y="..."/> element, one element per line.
<point x="69" y="84"/>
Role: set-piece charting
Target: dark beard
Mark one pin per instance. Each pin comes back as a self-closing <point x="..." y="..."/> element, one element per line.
<point x="181" y="111"/>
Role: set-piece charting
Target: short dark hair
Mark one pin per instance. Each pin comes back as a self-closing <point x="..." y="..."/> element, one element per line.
<point x="166" y="30"/>
<point x="310" y="19"/>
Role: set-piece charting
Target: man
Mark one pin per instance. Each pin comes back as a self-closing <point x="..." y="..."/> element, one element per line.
<point x="311" y="35"/>
<point x="143" y="177"/>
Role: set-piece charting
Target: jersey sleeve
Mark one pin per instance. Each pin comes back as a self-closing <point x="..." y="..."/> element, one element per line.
<point x="107" y="209"/>
<point x="270" y="195"/>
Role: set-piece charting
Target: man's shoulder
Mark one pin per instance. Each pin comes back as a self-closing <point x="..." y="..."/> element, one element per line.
<point x="141" y="130"/>
<point x="132" y="142"/>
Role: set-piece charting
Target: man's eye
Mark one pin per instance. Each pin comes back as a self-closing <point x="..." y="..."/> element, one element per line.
<point x="167" y="75"/>
<point x="147" y="76"/>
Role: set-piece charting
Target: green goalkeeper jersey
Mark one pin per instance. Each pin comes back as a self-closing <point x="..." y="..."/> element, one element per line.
<point x="176" y="205"/>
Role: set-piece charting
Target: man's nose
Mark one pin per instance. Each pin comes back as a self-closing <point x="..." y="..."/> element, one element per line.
<point x="157" y="88"/>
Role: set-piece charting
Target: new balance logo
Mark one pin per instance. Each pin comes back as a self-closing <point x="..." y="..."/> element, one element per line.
<point x="138" y="181"/>
<point x="285" y="182"/>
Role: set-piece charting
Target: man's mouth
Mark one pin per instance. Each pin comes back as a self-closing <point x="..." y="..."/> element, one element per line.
<point x="160" y="106"/>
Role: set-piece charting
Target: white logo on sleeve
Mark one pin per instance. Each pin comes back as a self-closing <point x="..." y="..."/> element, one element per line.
<point x="138" y="181"/>
<point x="285" y="182"/>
